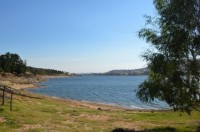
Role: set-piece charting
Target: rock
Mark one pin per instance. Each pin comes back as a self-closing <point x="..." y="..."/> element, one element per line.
<point x="99" y="108"/>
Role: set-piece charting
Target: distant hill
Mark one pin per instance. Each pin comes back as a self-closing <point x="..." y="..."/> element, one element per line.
<point x="142" y="71"/>
<point x="41" y="71"/>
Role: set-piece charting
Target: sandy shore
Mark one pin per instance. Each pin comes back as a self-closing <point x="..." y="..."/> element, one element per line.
<point x="23" y="82"/>
<point x="100" y="106"/>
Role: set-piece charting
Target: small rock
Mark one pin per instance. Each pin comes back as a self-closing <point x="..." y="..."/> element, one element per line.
<point x="99" y="109"/>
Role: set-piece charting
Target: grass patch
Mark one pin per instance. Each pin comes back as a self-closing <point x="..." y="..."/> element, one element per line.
<point x="49" y="114"/>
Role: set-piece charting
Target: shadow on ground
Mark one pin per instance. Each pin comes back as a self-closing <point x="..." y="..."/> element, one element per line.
<point x="165" y="129"/>
<point x="1" y="109"/>
<point x="198" y="129"/>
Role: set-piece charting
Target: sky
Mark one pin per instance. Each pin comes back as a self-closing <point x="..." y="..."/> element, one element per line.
<point x="77" y="36"/>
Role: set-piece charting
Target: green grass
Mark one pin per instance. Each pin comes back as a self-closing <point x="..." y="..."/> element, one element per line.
<point x="39" y="115"/>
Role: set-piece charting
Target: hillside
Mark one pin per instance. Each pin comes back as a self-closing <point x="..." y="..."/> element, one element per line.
<point x="12" y="63"/>
<point x="42" y="71"/>
<point x="142" y="71"/>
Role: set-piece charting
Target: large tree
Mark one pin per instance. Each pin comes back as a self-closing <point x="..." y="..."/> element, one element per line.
<point x="12" y="63"/>
<point x="174" y="62"/>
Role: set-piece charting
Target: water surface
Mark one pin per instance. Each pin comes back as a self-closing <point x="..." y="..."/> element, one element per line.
<point x="114" y="90"/>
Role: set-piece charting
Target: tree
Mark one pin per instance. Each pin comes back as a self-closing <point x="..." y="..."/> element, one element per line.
<point x="12" y="63"/>
<point x="174" y="63"/>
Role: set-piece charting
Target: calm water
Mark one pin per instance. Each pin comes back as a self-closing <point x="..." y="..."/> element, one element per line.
<point x="115" y="90"/>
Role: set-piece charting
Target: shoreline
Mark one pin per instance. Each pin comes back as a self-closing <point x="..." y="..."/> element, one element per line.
<point x="31" y="82"/>
<point x="96" y="105"/>
<point x="25" y="81"/>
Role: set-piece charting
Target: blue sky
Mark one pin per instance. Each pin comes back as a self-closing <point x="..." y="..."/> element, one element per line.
<point x="75" y="35"/>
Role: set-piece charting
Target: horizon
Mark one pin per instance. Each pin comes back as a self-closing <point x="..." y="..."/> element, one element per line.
<point x="75" y="36"/>
<point x="94" y="72"/>
<point x="111" y="70"/>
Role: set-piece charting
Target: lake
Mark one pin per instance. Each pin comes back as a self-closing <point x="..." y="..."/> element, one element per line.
<point x="113" y="90"/>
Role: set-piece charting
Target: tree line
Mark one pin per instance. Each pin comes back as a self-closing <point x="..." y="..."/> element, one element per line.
<point x="42" y="71"/>
<point x="12" y="63"/>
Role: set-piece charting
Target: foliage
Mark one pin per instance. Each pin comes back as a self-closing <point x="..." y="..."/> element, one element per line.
<point x="174" y="64"/>
<point x="41" y="71"/>
<point x="12" y="63"/>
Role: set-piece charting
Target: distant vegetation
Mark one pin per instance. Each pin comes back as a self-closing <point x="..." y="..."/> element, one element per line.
<point x="42" y="71"/>
<point x="122" y="72"/>
<point x="143" y="71"/>
<point x="12" y="63"/>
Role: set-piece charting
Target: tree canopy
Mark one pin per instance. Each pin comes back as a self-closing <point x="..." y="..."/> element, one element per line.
<point x="174" y="62"/>
<point x="12" y="63"/>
